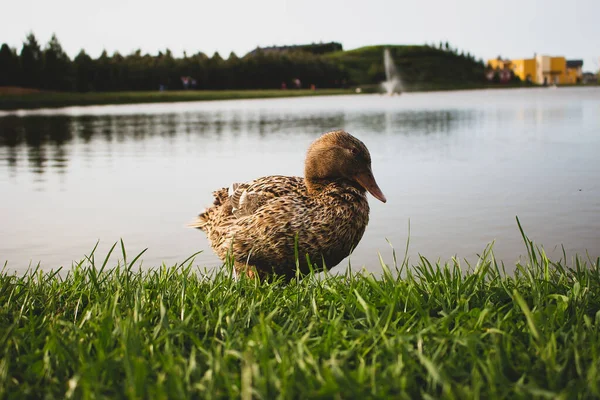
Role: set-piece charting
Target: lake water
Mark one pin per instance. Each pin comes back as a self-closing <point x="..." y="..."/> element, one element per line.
<point x="458" y="165"/>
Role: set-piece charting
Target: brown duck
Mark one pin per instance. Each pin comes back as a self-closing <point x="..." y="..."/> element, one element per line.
<point x="324" y="215"/>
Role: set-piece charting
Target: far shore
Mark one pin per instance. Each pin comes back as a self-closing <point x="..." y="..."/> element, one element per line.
<point x="14" y="98"/>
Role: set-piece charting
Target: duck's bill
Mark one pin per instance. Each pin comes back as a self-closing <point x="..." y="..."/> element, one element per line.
<point x="367" y="180"/>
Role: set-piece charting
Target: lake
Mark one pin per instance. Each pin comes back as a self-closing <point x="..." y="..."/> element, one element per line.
<point x="458" y="166"/>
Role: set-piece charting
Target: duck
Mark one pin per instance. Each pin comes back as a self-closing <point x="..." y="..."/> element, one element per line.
<point x="275" y="225"/>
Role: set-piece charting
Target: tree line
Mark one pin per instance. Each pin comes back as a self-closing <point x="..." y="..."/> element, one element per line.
<point x="50" y="68"/>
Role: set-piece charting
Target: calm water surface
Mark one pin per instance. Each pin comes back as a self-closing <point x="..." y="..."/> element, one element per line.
<point x="458" y="165"/>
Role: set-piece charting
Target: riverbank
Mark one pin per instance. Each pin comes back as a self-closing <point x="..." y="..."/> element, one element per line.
<point x="15" y="100"/>
<point x="19" y="98"/>
<point x="425" y="331"/>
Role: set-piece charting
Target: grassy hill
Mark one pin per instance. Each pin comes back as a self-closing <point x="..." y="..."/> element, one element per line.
<point x="420" y="67"/>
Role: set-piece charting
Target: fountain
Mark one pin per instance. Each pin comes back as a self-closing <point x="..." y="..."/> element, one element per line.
<point x="392" y="84"/>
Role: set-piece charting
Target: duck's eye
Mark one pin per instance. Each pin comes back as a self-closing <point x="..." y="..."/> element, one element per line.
<point x="353" y="151"/>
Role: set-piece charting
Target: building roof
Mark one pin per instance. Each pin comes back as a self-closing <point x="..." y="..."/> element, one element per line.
<point x="574" y="63"/>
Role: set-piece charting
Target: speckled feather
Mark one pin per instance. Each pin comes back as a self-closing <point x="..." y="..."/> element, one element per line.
<point x="258" y="222"/>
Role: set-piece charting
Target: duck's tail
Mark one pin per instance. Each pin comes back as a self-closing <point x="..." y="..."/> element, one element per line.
<point x="200" y="221"/>
<point x="205" y="218"/>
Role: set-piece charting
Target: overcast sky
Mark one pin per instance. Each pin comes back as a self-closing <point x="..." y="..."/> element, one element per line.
<point x="511" y="28"/>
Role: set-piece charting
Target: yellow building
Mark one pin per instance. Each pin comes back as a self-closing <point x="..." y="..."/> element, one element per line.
<point x="554" y="70"/>
<point x="543" y="70"/>
<point x="574" y="71"/>
<point x="525" y="69"/>
<point x="498" y="63"/>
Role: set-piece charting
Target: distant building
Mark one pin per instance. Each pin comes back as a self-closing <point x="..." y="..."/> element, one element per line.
<point x="526" y="70"/>
<point x="542" y="70"/>
<point x="574" y="71"/>
<point x="502" y="69"/>
<point x="589" y="77"/>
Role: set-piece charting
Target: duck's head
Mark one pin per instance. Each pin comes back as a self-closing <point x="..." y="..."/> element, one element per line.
<point x="339" y="155"/>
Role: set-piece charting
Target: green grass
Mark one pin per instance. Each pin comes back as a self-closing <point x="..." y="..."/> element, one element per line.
<point x="425" y="331"/>
<point x="65" y="99"/>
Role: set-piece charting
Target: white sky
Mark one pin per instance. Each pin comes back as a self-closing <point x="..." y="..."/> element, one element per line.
<point x="511" y="28"/>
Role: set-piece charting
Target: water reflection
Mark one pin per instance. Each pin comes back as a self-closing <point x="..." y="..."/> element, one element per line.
<point x="420" y="122"/>
<point x="50" y="140"/>
<point x="45" y="138"/>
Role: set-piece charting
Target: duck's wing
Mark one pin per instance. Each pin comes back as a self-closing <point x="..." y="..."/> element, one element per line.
<point x="242" y="200"/>
<point x="246" y="198"/>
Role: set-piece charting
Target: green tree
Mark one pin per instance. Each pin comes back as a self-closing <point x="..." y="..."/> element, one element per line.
<point x="84" y="72"/>
<point x="31" y="62"/>
<point x="215" y="72"/>
<point x="102" y="74"/>
<point x="56" y="67"/>
<point x="9" y="66"/>
<point x="232" y="67"/>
